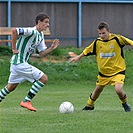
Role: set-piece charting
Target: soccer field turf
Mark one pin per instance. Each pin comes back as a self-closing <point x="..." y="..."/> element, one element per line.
<point x="108" y="116"/>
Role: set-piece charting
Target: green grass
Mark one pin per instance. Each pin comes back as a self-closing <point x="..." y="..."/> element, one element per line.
<point x="67" y="82"/>
<point x="108" y="115"/>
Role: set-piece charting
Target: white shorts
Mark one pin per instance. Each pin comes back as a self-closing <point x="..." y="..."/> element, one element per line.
<point x="21" y="72"/>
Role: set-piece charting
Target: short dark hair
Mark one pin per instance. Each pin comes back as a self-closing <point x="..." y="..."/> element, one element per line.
<point x="41" y="16"/>
<point x="102" y="25"/>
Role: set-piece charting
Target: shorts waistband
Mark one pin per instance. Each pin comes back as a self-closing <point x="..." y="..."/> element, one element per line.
<point x="122" y="72"/>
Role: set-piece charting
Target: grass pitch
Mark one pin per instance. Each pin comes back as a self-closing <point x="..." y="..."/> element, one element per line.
<point x="108" y="115"/>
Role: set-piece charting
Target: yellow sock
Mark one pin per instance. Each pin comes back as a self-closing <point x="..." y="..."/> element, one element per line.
<point x="123" y="100"/>
<point x="90" y="102"/>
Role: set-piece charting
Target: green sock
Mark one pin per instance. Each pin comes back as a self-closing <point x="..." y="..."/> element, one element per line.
<point x="34" y="90"/>
<point x="3" y="93"/>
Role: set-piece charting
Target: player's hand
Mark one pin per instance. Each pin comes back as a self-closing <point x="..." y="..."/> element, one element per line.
<point x="15" y="51"/>
<point x="55" y="44"/>
<point x="74" y="59"/>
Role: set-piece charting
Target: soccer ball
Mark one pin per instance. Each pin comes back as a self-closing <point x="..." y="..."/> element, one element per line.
<point x="66" y="108"/>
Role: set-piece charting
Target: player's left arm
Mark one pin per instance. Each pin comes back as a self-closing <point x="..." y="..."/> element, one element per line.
<point x="125" y="41"/>
<point x="54" y="45"/>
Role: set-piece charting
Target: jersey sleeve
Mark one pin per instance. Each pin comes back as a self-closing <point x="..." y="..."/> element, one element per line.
<point x="90" y="50"/>
<point x="125" y="41"/>
<point x="25" y="31"/>
<point x="42" y="46"/>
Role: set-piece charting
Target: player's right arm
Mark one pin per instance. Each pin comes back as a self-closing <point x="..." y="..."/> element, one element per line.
<point x="87" y="51"/>
<point x="14" y="39"/>
<point x="76" y="58"/>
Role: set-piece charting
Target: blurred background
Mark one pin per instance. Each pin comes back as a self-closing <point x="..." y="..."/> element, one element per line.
<point x="74" y="22"/>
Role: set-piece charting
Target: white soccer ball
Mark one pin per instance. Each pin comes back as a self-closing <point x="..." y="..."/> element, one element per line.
<point x="66" y="108"/>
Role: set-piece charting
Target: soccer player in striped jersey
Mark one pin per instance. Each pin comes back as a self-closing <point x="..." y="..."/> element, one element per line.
<point x="111" y="64"/>
<point x="30" y="39"/>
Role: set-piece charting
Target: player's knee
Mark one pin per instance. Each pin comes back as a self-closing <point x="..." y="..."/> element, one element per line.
<point x="44" y="79"/>
<point x="119" y="88"/>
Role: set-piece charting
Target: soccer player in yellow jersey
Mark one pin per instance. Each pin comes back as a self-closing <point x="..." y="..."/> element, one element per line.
<point x="111" y="64"/>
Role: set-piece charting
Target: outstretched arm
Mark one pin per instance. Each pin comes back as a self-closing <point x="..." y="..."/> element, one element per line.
<point x="14" y="39"/>
<point x="76" y="58"/>
<point x="50" y="49"/>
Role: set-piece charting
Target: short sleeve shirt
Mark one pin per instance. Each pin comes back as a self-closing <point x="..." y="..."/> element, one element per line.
<point x="29" y="40"/>
<point x="109" y="54"/>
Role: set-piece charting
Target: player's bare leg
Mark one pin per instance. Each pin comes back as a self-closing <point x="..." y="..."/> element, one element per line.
<point x="11" y="87"/>
<point x="95" y="94"/>
<point x="122" y="96"/>
<point x="44" y="79"/>
<point x="6" y="90"/>
<point x="93" y="97"/>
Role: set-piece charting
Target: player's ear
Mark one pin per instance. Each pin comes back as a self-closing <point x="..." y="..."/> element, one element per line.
<point x="39" y="21"/>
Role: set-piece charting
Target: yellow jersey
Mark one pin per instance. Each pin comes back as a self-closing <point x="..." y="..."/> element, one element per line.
<point x="109" y="54"/>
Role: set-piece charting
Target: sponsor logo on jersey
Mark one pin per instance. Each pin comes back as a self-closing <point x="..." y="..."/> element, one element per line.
<point x="32" y="48"/>
<point x="107" y="55"/>
<point x="21" y="31"/>
<point x="111" y="46"/>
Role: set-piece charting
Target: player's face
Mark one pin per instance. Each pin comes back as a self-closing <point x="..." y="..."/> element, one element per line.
<point x="103" y="33"/>
<point x="44" y="24"/>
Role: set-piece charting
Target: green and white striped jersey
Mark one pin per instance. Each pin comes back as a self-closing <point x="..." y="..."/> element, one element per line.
<point x="29" y="40"/>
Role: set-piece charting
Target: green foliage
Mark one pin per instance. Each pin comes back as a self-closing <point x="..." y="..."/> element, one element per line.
<point x="4" y="69"/>
<point x="64" y="51"/>
<point x="5" y="50"/>
<point x="69" y="71"/>
<point x="84" y="70"/>
<point x="56" y="52"/>
<point x="129" y="64"/>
